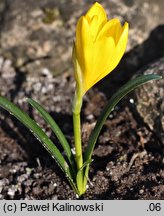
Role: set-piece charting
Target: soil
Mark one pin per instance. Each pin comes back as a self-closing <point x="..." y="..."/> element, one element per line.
<point x="127" y="161"/>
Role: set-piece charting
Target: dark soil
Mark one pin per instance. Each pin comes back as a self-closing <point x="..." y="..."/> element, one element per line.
<point x="128" y="159"/>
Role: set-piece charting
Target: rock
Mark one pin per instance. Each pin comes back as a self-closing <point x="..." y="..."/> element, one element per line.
<point x="142" y="15"/>
<point x="40" y="33"/>
<point x="150" y="99"/>
<point x="36" y="43"/>
<point x="7" y="76"/>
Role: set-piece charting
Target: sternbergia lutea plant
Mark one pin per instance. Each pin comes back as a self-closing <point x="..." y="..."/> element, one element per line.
<point x="99" y="45"/>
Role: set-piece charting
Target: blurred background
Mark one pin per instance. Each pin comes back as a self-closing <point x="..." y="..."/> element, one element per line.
<point x="36" y="37"/>
<point x="39" y="34"/>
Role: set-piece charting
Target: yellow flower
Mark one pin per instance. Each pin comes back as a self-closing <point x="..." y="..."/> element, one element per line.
<point x="98" y="48"/>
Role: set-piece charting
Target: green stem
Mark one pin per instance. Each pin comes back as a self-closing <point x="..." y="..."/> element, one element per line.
<point x="77" y="130"/>
<point x="77" y="135"/>
<point x="77" y="103"/>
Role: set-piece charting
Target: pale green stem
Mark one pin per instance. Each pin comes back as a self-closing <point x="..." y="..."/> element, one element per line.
<point x="77" y="103"/>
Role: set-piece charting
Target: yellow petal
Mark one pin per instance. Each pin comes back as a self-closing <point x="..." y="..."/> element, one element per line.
<point x="118" y="52"/>
<point x="101" y="62"/>
<point x="99" y="46"/>
<point x="112" y="55"/>
<point x="94" y="28"/>
<point x="112" y="28"/>
<point x="98" y="10"/>
<point x="83" y="40"/>
<point x="121" y="45"/>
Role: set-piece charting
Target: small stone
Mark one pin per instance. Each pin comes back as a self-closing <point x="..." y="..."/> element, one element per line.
<point x="55" y="185"/>
<point x="11" y="192"/>
<point x="131" y="100"/>
<point x="141" y="191"/>
<point x="149" y="99"/>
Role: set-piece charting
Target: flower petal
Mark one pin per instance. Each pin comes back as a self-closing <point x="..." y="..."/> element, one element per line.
<point x="118" y="51"/>
<point x="99" y="46"/>
<point x="101" y="63"/>
<point x="83" y="40"/>
<point x="121" y="45"/>
<point x="112" y="28"/>
<point x="98" y="10"/>
<point x="94" y="27"/>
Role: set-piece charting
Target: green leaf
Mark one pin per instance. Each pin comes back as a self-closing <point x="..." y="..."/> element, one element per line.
<point x="80" y="177"/>
<point x="55" y="128"/>
<point x="123" y="91"/>
<point x="40" y="135"/>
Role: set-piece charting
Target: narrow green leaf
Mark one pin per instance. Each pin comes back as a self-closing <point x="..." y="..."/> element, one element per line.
<point x="39" y="134"/>
<point x="56" y="129"/>
<point x="80" y="178"/>
<point x="85" y="164"/>
<point x="123" y="91"/>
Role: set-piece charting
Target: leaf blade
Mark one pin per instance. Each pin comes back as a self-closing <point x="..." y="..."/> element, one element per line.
<point x="122" y="92"/>
<point x="40" y="134"/>
<point x="56" y="129"/>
